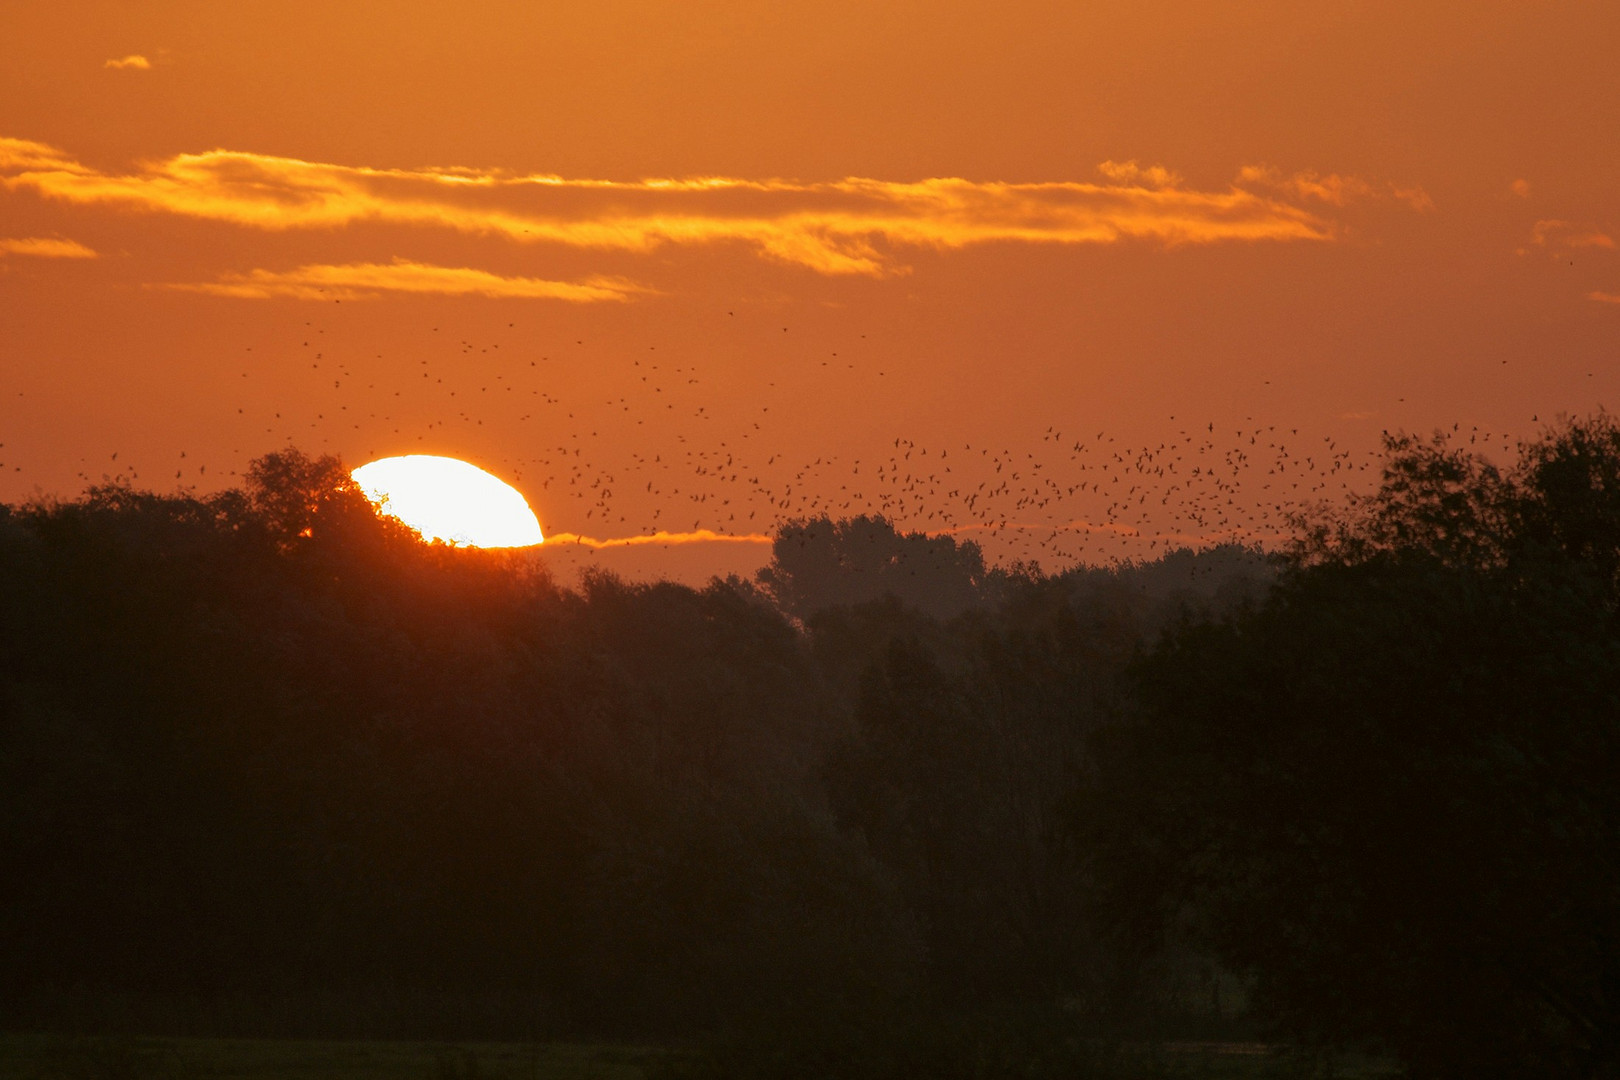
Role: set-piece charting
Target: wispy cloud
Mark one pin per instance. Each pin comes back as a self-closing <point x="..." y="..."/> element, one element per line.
<point x="836" y="227"/>
<point x="1604" y="297"/>
<point x="1131" y="174"/>
<point x="699" y="536"/>
<point x="1077" y="526"/>
<point x="45" y="247"/>
<point x="356" y="281"/>
<point x="1332" y="189"/>
<point x="1558" y="235"/>
<point x="132" y="62"/>
<point x="1563" y="239"/>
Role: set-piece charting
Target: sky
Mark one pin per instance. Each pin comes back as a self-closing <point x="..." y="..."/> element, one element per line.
<point x="1076" y="281"/>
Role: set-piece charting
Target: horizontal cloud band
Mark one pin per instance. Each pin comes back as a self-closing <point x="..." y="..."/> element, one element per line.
<point x="45" y="247"/>
<point x="700" y="536"/>
<point x="361" y="280"/>
<point x="831" y="227"/>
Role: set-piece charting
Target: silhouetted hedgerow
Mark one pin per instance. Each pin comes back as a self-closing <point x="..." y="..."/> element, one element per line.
<point x="270" y="763"/>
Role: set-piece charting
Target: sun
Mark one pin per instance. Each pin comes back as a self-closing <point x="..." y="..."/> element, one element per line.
<point x="447" y="499"/>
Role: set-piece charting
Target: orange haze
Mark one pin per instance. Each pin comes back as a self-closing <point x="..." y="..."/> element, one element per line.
<point x="1073" y="280"/>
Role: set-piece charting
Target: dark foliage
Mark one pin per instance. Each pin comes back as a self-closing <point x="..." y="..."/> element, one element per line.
<point x="1388" y="791"/>
<point x="818" y="563"/>
<point x="269" y="744"/>
<point x="269" y="763"/>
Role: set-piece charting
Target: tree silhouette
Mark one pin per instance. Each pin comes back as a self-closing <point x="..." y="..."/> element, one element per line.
<point x="818" y="563"/>
<point x="1387" y="791"/>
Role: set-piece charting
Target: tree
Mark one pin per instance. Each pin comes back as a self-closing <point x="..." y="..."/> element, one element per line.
<point x="269" y="744"/>
<point x="1387" y="792"/>
<point x="819" y="563"/>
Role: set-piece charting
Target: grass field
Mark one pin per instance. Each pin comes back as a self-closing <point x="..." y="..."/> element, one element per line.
<point x="36" y="1057"/>
<point x="40" y="1057"/>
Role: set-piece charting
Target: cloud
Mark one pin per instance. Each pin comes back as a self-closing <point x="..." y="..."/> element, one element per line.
<point x="45" y="247"/>
<point x="357" y="281"/>
<point x="1520" y="188"/>
<point x="700" y="536"/>
<point x="836" y="227"/>
<point x="1078" y="526"/>
<point x="1129" y="172"/>
<point x="1332" y="189"/>
<point x="21" y="155"/>
<point x="1604" y="298"/>
<point x="1564" y="236"/>
<point x="1414" y="197"/>
<point x="132" y="62"/>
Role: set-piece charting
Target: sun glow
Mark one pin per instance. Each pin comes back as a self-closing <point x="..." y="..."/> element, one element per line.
<point x="450" y="500"/>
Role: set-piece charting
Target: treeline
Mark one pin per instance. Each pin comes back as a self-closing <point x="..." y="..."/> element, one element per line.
<point x="269" y="763"/>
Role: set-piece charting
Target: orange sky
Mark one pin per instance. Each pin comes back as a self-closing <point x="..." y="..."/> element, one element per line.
<point x="1129" y="272"/>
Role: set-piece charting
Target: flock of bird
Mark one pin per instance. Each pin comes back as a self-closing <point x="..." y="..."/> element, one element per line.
<point x="668" y="453"/>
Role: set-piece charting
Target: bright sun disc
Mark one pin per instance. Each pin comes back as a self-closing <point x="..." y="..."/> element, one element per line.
<point x="449" y="500"/>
